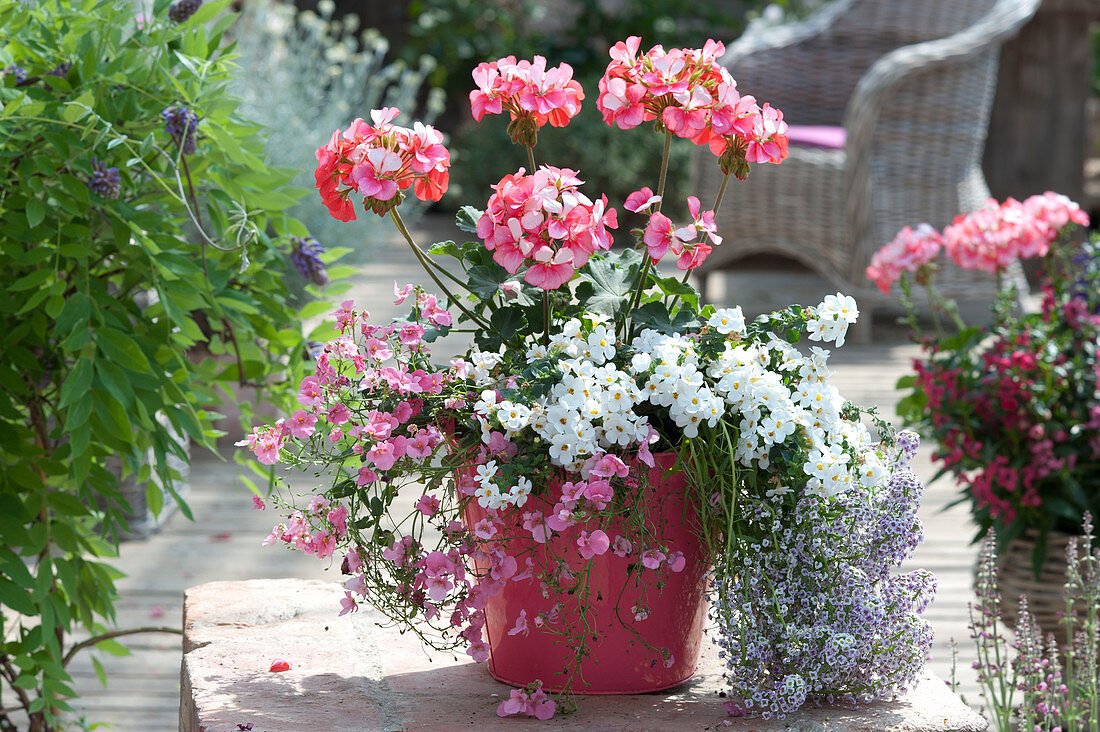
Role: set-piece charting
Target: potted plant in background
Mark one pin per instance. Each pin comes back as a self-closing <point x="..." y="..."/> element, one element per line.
<point x="1013" y="406"/>
<point x="138" y="222"/>
<point x="557" y="499"/>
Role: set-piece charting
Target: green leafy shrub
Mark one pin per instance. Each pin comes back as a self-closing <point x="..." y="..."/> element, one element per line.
<point x="139" y="227"/>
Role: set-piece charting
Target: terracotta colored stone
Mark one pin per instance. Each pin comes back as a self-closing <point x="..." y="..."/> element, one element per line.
<point x="347" y="673"/>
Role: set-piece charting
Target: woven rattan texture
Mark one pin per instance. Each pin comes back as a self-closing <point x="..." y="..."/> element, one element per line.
<point x="912" y="82"/>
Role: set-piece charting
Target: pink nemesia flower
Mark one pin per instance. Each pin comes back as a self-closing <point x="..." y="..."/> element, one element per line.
<point x="348" y="603"/>
<point x="338" y="414"/>
<point x="652" y="558"/>
<point x="593" y="544"/>
<point x="676" y="561"/>
<point x="400" y="295"/>
<point x="622" y="547"/>
<point x="258" y="503"/>
<point x="302" y="424"/>
<point x="520" y="628"/>
<point x="428" y="505"/>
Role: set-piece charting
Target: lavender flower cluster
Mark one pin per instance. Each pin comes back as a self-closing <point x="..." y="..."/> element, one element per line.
<point x="812" y="610"/>
<point x="1043" y="687"/>
<point x="181" y="123"/>
<point x="305" y="255"/>
<point x="179" y="12"/>
<point x="104" y="180"/>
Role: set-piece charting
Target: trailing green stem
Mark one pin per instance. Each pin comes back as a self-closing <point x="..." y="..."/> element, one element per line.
<point x="426" y="263"/>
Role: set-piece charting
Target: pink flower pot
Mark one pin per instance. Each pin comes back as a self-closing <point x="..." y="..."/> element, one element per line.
<point x="625" y="655"/>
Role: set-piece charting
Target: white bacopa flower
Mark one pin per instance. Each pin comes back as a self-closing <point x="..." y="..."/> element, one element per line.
<point x="486" y="472"/>
<point x="640" y="362"/>
<point x="513" y="416"/>
<point x="728" y="320"/>
<point x="520" y="491"/>
<point x="600" y="345"/>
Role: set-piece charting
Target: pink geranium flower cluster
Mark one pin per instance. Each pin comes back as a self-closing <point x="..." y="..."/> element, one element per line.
<point x="1011" y="403"/>
<point x="543" y="221"/>
<point x="908" y="252"/>
<point x="690" y="94"/>
<point x="378" y="161"/>
<point x="529" y="92"/>
<point x="993" y="237"/>
<point x="689" y="243"/>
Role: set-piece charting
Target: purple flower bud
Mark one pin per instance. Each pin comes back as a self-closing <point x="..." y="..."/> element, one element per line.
<point x="181" y="123"/>
<point x="61" y="70"/>
<point x="305" y="254"/>
<point x="179" y="12"/>
<point x="17" y="71"/>
<point x="104" y="181"/>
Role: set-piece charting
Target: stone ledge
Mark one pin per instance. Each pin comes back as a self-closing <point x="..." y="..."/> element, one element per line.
<point x="349" y="674"/>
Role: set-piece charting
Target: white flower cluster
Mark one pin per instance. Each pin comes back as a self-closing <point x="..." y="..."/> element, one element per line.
<point x="488" y="493"/>
<point x="832" y="318"/>
<point x="773" y="393"/>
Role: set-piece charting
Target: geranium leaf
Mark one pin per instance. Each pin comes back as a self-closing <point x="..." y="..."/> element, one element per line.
<point x="606" y="283"/>
<point x="507" y="322"/>
<point x="466" y="220"/>
<point x="485" y="280"/>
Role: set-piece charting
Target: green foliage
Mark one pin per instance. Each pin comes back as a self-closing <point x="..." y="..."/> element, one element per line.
<point x="109" y="294"/>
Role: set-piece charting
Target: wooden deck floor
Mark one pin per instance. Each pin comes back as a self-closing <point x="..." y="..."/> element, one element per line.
<point x="224" y="541"/>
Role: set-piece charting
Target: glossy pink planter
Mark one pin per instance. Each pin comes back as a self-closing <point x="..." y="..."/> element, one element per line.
<point x="618" y="663"/>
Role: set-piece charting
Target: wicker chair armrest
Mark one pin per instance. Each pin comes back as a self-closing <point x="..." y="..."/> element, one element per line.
<point x="879" y="92"/>
<point x="796" y="68"/>
<point x="775" y="39"/>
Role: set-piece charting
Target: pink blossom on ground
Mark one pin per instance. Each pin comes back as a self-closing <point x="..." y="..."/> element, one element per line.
<point x="279" y="665"/>
<point x="348" y="604"/>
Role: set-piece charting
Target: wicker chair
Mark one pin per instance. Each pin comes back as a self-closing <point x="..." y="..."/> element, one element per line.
<point x="911" y="82"/>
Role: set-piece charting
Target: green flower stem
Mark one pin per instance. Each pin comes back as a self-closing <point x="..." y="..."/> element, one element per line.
<point x="546" y="317"/>
<point x="721" y="194"/>
<point x="648" y="261"/>
<point x="426" y="263"/>
<point x="531" y="157"/>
